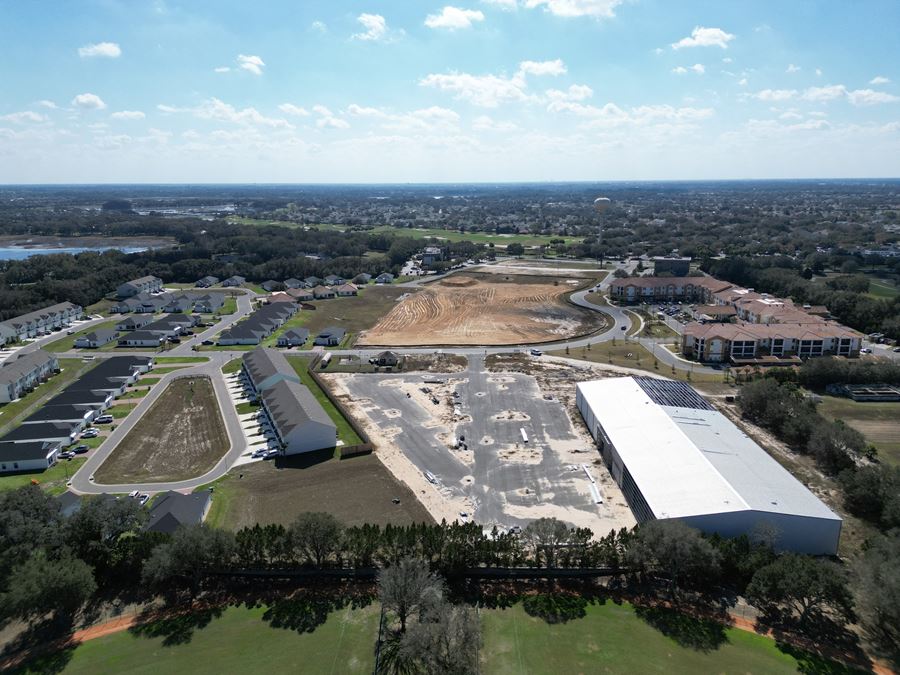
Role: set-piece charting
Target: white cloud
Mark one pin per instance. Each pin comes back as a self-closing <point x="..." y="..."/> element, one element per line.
<point x="376" y="29"/>
<point x="829" y="93"/>
<point x="775" y="94"/>
<point x="743" y="82"/>
<point x="698" y="68"/>
<point x="818" y="72"/>
<point x="319" y="27"/>
<point x="128" y="115"/>
<point x="879" y="79"/>
<point x="109" y="50"/>
<point x="575" y="92"/>
<point x="88" y="102"/>
<point x="727" y="59"/>
<point x="598" y="9"/>
<point x="434" y="118"/>
<point x="505" y="5"/>
<point x="793" y="68"/>
<point x="328" y="120"/>
<point x="222" y="69"/>
<point x="705" y="37"/>
<point x="47" y="104"/>
<point x="454" y="18"/>
<point x="218" y="110"/>
<point x="870" y="97"/>
<point x="790" y="115"/>
<point x="250" y="63"/>
<point x="23" y="117"/>
<point x="489" y="91"/>
<point x="485" y="123"/>
<point x="291" y="109"/>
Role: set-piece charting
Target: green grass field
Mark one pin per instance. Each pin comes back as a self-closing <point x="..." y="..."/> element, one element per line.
<point x="881" y="288"/>
<point x="238" y="640"/>
<point x="878" y="422"/>
<point x="53" y="479"/>
<point x="232" y="366"/>
<point x="613" y="638"/>
<point x="181" y="359"/>
<point x="344" y="430"/>
<point x="423" y="233"/>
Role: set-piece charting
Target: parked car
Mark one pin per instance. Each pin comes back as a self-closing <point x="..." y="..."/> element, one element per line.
<point x="81" y="449"/>
<point x="143" y="499"/>
<point x="66" y="455"/>
<point x="207" y="342"/>
<point x="104" y="419"/>
<point x="90" y="433"/>
<point x="133" y="494"/>
<point x="536" y="352"/>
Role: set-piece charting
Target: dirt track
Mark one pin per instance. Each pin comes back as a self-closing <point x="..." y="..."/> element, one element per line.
<point x="483" y="309"/>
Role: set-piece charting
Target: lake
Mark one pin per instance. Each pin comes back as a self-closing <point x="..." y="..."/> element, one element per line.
<point x="20" y="252"/>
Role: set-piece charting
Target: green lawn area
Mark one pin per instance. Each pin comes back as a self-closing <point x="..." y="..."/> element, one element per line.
<point x="135" y="393"/>
<point x="881" y="288"/>
<point x="422" y="233"/>
<point x="613" y="638"/>
<point x="53" y="480"/>
<point x="232" y="366"/>
<point x="299" y="319"/>
<point x="149" y="380"/>
<point x="168" y="369"/>
<point x="344" y="430"/>
<point x="230" y="306"/>
<point x="67" y="342"/>
<point x="246" y="408"/>
<point x="283" y="638"/>
<point x="878" y="422"/>
<point x="70" y="369"/>
<point x="119" y="411"/>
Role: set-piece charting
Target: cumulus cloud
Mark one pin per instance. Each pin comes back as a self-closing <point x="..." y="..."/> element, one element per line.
<point x="88" y="102"/>
<point x="376" y="29"/>
<point x="870" y="97"/>
<point x="108" y="50"/>
<point x="775" y="94"/>
<point x="23" y="117"/>
<point x="705" y="37"/>
<point x="792" y="68"/>
<point x="291" y="109"/>
<point x="45" y="103"/>
<point x="328" y="120"/>
<point x="505" y="5"/>
<point x="698" y="68"/>
<point x="218" y="110"/>
<point x="610" y="115"/>
<point x="489" y="91"/>
<point x="575" y="92"/>
<point x="454" y="18"/>
<point x="485" y="123"/>
<point x="222" y="69"/>
<point x="879" y="79"/>
<point x="429" y="119"/>
<point x="828" y="93"/>
<point x="598" y="9"/>
<point x="250" y="63"/>
<point x="128" y="115"/>
<point x="318" y="27"/>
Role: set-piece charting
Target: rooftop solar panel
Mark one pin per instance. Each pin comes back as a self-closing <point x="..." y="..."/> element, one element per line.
<point x="670" y="393"/>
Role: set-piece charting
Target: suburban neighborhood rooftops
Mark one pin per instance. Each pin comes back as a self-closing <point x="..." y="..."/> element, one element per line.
<point x="41" y="314"/>
<point x="23" y="364"/>
<point x="40" y="431"/>
<point x="49" y="413"/>
<point x="291" y="404"/>
<point x="261" y="364"/>
<point x="23" y="452"/>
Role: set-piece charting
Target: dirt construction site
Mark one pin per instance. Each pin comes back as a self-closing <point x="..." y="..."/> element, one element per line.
<point x="488" y="444"/>
<point x="479" y="308"/>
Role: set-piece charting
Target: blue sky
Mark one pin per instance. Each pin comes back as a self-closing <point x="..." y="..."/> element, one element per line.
<point x="420" y="91"/>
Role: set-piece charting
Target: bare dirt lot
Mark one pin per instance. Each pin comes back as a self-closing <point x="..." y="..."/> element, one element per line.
<point x="473" y="308"/>
<point x="356" y="491"/>
<point x="181" y="436"/>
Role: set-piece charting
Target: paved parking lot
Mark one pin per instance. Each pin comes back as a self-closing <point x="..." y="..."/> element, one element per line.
<point x="503" y="479"/>
<point x="256" y="429"/>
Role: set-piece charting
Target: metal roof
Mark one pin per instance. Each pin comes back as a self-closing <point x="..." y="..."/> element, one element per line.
<point x="689" y="461"/>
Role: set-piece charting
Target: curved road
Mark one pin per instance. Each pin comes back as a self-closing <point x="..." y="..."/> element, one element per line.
<point x="81" y="482"/>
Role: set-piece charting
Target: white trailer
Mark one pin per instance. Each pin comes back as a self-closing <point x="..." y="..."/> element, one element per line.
<point x="524" y="435"/>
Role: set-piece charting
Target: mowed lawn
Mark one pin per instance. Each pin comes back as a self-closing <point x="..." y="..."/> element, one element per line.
<point x="239" y="640"/>
<point x="13" y="412"/>
<point x="878" y="422"/>
<point x="345" y="432"/>
<point x="612" y="638"/>
<point x="356" y="491"/>
<point x="181" y="436"/>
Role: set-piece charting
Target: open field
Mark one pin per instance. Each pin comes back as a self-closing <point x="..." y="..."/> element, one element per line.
<point x="878" y="422"/>
<point x="883" y="288"/>
<point x="182" y="435"/>
<point x="356" y="491"/>
<point x="70" y="370"/>
<point x="344" y="430"/>
<point x="484" y="309"/>
<point x="620" y="638"/>
<point x="287" y="637"/>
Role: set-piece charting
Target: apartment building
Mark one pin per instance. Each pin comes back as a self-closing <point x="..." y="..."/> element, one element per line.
<point x="40" y="321"/>
<point x="21" y="374"/>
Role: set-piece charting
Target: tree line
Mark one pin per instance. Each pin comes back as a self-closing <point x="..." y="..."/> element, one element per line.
<point x="50" y="565"/>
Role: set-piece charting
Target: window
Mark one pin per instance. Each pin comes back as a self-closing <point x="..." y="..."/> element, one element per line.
<point x="810" y="348"/>
<point x="778" y="346"/>
<point x="743" y="349"/>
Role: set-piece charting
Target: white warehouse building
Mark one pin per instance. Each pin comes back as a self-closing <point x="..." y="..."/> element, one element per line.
<point x="676" y="457"/>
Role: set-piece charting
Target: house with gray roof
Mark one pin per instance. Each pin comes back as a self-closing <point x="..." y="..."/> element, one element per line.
<point x="293" y="337"/>
<point x="299" y="420"/>
<point x="22" y="373"/>
<point x="40" y="321"/>
<point x="206" y="282"/>
<point x="330" y="337"/>
<point x="172" y="510"/>
<point x="147" y="284"/>
<point x="234" y="281"/>
<point x="384" y="278"/>
<point x="96" y="338"/>
<point x="29" y="456"/>
<point x="134" y="322"/>
<point x="293" y="283"/>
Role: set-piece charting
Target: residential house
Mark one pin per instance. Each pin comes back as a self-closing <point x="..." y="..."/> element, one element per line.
<point x="172" y="510"/>
<point x="293" y="283"/>
<point x="334" y="280"/>
<point x="141" y="338"/>
<point x="330" y="337"/>
<point x="134" y="322"/>
<point x="293" y="337"/>
<point x="362" y="279"/>
<point x="312" y="282"/>
<point x="22" y="373"/>
<point x="432" y="254"/>
<point x="301" y="294"/>
<point x="40" y="321"/>
<point x="206" y="282"/>
<point x="148" y="284"/>
<point x="345" y="290"/>
<point x="234" y="281"/>
<point x="323" y="293"/>
<point x="28" y="456"/>
<point x="96" y="338"/>
<point x="209" y="303"/>
<point x="51" y="432"/>
<point x="271" y="285"/>
<point x="384" y="278"/>
<point x="259" y="325"/>
<point x="386" y="359"/>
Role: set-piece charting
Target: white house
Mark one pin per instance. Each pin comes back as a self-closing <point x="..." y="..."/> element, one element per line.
<point x="147" y="284"/>
<point x="96" y="338"/>
<point x="32" y="456"/>
<point x="20" y="374"/>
